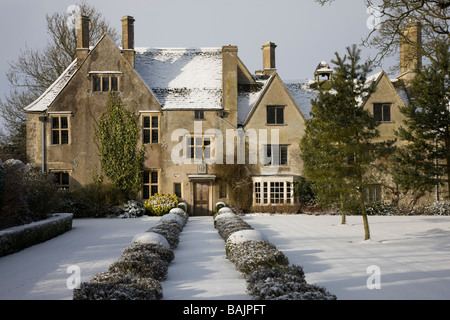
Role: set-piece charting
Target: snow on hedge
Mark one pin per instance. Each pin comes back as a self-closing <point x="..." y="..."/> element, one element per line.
<point x="246" y="235"/>
<point x="151" y="237"/>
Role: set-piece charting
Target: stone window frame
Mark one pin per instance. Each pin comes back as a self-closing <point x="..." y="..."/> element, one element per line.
<point x="151" y="183"/>
<point x="273" y="190"/>
<point x="379" y="111"/>
<point x="281" y="146"/>
<point x="60" y="130"/>
<point x="59" y="178"/>
<point x="147" y="131"/>
<point x="101" y="76"/>
<point x="276" y="121"/>
<point x="193" y="148"/>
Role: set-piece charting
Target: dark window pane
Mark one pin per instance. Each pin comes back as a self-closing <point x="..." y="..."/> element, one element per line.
<point x="146" y="137"/>
<point x="154" y="189"/>
<point x="283" y="155"/>
<point x="146" y="192"/>
<point x="154" y="177"/>
<point x="378" y="112"/>
<point x="146" y="122"/>
<point x="154" y="122"/>
<point x="96" y="84"/>
<point x="105" y="84"/>
<point x="64" y="137"/>
<point x="114" y="84"/>
<point x="386" y="112"/>
<point x="64" y="123"/>
<point x="55" y="123"/>
<point x="177" y="189"/>
<point x="155" y="136"/>
<point x="64" y="178"/>
<point x="146" y="177"/>
<point x="280" y="115"/>
<point x="55" y="137"/>
<point x="271" y="115"/>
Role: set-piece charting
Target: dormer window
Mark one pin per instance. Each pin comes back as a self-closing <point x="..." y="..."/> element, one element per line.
<point x="105" y="81"/>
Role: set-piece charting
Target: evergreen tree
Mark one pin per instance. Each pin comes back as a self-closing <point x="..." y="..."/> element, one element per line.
<point x="423" y="161"/>
<point x="338" y="148"/>
<point x="116" y="136"/>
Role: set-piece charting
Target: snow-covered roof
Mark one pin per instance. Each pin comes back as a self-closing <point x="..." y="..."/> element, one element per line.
<point x="182" y="78"/>
<point x="302" y="94"/>
<point x="41" y="104"/>
<point x="247" y="99"/>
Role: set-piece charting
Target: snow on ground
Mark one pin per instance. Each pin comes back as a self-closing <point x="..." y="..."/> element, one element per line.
<point x="412" y="255"/>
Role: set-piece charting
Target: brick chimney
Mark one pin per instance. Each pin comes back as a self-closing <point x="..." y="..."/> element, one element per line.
<point x="82" y="39"/>
<point x="410" y="46"/>
<point x="268" y="49"/>
<point x="128" y="39"/>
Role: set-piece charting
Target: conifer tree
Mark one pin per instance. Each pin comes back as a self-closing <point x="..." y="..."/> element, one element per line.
<point x="116" y="136"/>
<point x="338" y="148"/>
<point x="423" y="160"/>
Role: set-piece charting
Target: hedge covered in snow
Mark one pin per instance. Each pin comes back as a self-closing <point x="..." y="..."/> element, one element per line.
<point x="268" y="272"/>
<point x="136" y="275"/>
<point x="17" y="238"/>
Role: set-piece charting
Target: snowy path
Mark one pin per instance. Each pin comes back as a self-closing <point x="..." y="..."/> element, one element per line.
<point x="200" y="269"/>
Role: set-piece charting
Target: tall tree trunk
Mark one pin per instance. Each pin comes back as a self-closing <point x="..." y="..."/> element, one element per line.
<point x="364" y="213"/>
<point x="341" y="197"/>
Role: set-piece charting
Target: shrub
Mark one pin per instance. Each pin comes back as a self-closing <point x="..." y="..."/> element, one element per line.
<point x="142" y="264"/>
<point x="169" y="230"/>
<point x="284" y="283"/>
<point x="440" y="208"/>
<point x="133" y="209"/>
<point x="220" y="205"/>
<point x="118" y="286"/>
<point x="228" y="228"/>
<point x="179" y="211"/>
<point x="249" y="256"/>
<point x="160" y="204"/>
<point x="150" y="248"/>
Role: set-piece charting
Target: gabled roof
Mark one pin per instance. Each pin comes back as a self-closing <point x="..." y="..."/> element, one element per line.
<point x="182" y="78"/>
<point x="41" y="104"/>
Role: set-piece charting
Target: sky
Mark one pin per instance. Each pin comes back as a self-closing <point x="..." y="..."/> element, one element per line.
<point x="304" y="31"/>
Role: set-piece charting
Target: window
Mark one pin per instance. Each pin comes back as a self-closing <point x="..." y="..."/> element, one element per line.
<point x="199" y="148"/>
<point x="372" y="193"/>
<point x="62" y="180"/>
<point x="151" y="129"/>
<point x="150" y="185"/>
<point x="177" y="189"/>
<point x="60" y="130"/>
<point x="273" y="192"/>
<point x="275" y="115"/>
<point x="199" y="115"/>
<point x="105" y="83"/>
<point x="223" y="190"/>
<point x="276" y="154"/>
<point x="382" y="112"/>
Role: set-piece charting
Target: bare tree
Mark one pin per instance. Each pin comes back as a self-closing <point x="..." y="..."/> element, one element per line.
<point x="35" y="70"/>
<point x="434" y="16"/>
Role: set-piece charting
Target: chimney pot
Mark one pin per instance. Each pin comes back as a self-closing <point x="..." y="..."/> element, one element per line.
<point x="128" y="38"/>
<point x="268" y="49"/>
<point x="82" y="39"/>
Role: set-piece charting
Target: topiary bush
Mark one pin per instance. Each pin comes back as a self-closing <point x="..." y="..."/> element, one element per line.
<point x="284" y="283"/>
<point x="119" y="286"/>
<point x="142" y="264"/>
<point x="160" y="204"/>
<point x="249" y="256"/>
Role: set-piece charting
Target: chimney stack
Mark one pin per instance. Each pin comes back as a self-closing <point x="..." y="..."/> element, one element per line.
<point x="268" y="49"/>
<point x="128" y="38"/>
<point x="82" y="39"/>
<point x="410" y="46"/>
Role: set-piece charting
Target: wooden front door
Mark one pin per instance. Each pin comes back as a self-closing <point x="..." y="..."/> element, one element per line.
<point x="201" y="199"/>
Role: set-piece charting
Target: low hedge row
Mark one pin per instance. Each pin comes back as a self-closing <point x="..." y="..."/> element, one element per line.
<point x="137" y="274"/>
<point x="18" y="238"/>
<point x="267" y="270"/>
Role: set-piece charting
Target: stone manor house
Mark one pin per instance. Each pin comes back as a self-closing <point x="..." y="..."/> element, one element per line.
<point x="192" y="103"/>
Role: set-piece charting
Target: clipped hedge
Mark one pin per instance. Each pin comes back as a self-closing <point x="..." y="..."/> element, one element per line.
<point x="136" y="275"/>
<point x="18" y="238"/>
<point x="268" y="272"/>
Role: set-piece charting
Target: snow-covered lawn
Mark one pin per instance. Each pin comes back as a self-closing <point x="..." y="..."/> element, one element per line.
<point x="412" y="255"/>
